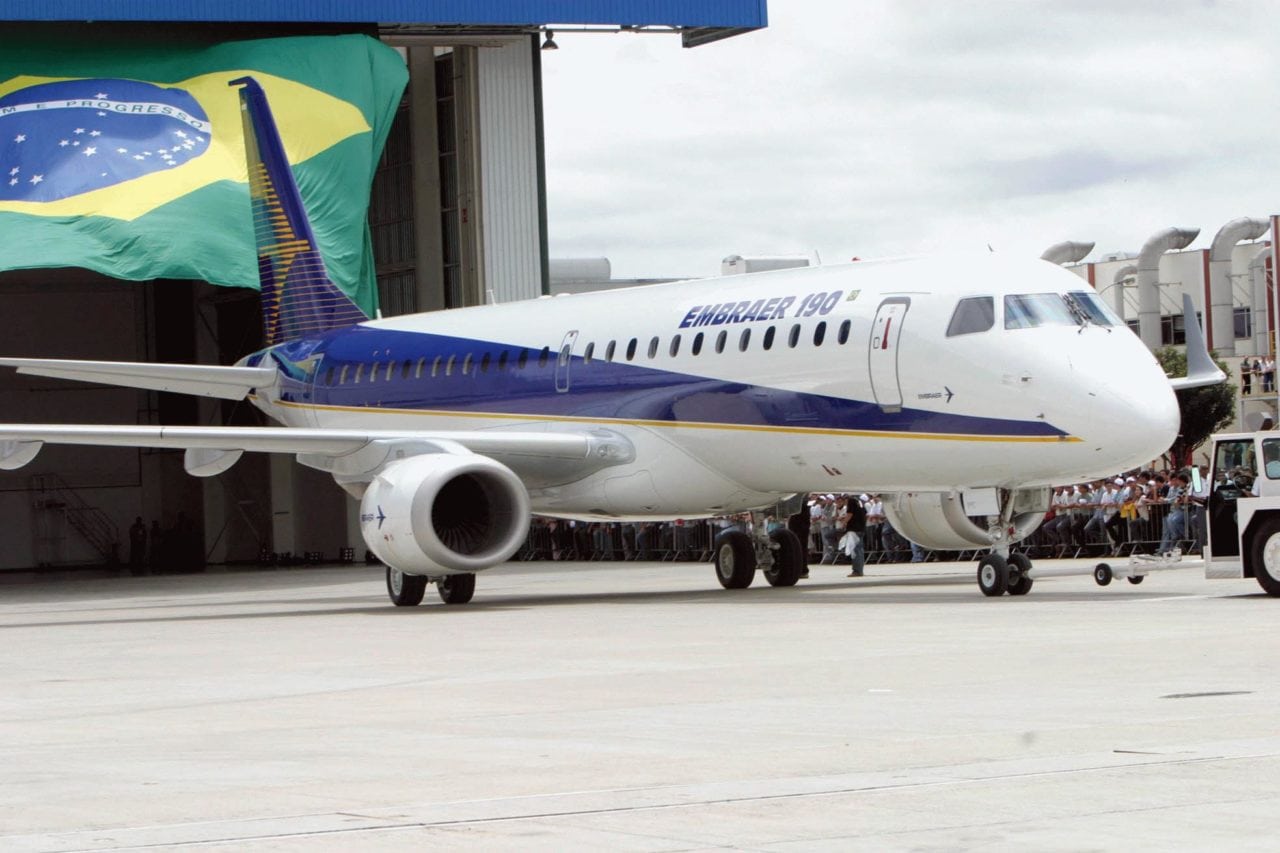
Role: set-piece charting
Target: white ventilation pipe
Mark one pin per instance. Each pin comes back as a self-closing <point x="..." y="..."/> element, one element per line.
<point x="1125" y="272"/>
<point x="1258" y="311"/>
<point x="1149" y="276"/>
<point x="1066" y="253"/>
<point x="1220" y="295"/>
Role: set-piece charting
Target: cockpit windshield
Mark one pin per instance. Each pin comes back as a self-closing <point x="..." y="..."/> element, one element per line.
<point x="1093" y="309"/>
<point x="1030" y="310"/>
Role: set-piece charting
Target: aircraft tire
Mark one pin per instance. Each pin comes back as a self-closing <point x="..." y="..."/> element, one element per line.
<point x="456" y="589"/>
<point x="735" y="560"/>
<point x="1136" y="579"/>
<point x="405" y="590"/>
<point x="1102" y="574"/>
<point x="1019" y="582"/>
<point x="1265" y="549"/>
<point x="993" y="575"/>
<point x="788" y="559"/>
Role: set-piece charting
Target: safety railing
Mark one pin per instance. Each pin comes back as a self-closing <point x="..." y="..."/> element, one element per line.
<point x="53" y="494"/>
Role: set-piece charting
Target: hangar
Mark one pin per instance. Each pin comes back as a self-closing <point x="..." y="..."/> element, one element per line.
<point x="457" y="215"/>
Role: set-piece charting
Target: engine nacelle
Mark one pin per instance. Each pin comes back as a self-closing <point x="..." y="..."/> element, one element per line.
<point x="444" y="513"/>
<point x="938" y="520"/>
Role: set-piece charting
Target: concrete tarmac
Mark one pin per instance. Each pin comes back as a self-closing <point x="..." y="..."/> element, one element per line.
<point x="639" y="707"/>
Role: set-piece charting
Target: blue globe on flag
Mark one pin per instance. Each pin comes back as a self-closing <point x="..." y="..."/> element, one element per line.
<point x="63" y="139"/>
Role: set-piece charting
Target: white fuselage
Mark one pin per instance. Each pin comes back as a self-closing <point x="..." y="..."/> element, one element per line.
<point x="730" y="399"/>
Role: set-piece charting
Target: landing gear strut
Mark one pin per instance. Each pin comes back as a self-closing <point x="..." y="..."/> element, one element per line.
<point x="1002" y="571"/>
<point x="780" y="555"/>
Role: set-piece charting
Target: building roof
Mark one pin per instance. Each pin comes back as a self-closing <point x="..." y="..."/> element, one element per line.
<point x="698" y="20"/>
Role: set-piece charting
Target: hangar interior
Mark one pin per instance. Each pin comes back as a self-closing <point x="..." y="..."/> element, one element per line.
<point x="457" y="217"/>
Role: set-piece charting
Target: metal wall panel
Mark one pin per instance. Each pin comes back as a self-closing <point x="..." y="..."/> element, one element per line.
<point x="512" y="245"/>
<point x="687" y="13"/>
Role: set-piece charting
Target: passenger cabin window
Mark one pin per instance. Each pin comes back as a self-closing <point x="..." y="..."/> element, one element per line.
<point x="391" y="366"/>
<point x="448" y="365"/>
<point x="768" y="338"/>
<point x="653" y="347"/>
<point x="720" y="339"/>
<point x="1032" y="310"/>
<point x="697" y="344"/>
<point x="484" y="363"/>
<point x="675" y="346"/>
<point x="417" y="373"/>
<point x="466" y="365"/>
<point x="523" y="359"/>
<point x="794" y="337"/>
<point x="328" y="376"/>
<point x="631" y="349"/>
<point x="502" y="360"/>
<point x="819" y="333"/>
<point x="588" y="352"/>
<point x="404" y="370"/>
<point x="744" y="341"/>
<point x="972" y="314"/>
<point x="608" y="351"/>
<point x="342" y="377"/>
<point x="843" y="337"/>
<point x="359" y="373"/>
<point x="543" y="356"/>
<point x="435" y="367"/>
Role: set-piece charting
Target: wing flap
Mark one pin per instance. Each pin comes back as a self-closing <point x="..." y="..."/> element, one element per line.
<point x="227" y="383"/>
<point x="540" y="457"/>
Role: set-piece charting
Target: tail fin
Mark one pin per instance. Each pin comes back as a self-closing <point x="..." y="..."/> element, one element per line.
<point x="298" y="298"/>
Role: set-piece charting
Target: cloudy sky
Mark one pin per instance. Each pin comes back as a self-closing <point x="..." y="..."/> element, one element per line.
<point x="906" y="126"/>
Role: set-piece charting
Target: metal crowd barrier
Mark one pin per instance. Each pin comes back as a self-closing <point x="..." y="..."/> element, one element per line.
<point x="691" y="541"/>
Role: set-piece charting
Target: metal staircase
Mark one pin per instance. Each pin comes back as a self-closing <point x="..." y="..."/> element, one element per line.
<point x="57" y="506"/>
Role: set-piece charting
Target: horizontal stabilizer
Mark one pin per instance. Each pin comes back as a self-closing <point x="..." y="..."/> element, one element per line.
<point x="1201" y="369"/>
<point x="227" y="383"/>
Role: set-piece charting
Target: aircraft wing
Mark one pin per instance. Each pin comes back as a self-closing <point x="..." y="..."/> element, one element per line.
<point x="227" y="383"/>
<point x="539" y="458"/>
<point x="1201" y="369"/>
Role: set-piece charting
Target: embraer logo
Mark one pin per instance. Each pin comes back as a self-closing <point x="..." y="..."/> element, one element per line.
<point x="369" y="518"/>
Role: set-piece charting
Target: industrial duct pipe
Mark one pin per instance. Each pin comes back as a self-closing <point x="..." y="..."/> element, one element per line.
<point x="1220" y="290"/>
<point x="1117" y="283"/>
<point x="1066" y="253"/>
<point x="1149" y="275"/>
<point x="1258" y="311"/>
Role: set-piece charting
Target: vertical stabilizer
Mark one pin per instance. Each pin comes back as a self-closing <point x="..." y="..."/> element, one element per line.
<point x="298" y="297"/>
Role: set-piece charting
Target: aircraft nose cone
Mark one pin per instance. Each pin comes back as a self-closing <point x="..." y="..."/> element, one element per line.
<point x="1139" y="415"/>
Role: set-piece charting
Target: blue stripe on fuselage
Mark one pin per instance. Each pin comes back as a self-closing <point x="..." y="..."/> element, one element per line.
<point x="617" y="390"/>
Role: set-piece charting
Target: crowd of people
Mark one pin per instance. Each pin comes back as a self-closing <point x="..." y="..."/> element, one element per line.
<point x="1140" y="512"/>
<point x="1261" y="370"/>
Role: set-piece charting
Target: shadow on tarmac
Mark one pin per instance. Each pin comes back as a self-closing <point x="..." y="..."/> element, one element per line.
<point x="864" y="591"/>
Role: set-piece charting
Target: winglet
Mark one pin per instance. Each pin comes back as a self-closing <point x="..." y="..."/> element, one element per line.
<point x="298" y="297"/>
<point x="1201" y="369"/>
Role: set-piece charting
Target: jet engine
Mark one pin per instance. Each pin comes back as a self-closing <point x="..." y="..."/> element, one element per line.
<point x="444" y="513"/>
<point x="940" y="520"/>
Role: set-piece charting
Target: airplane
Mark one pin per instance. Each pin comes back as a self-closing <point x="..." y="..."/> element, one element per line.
<point x="964" y="387"/>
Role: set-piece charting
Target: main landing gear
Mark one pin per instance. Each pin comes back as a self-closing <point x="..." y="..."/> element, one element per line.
<point x="408" y="590"/>
<point x="780" y="555"/>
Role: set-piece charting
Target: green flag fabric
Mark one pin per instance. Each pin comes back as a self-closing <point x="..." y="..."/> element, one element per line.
<point x="129" y="160"/>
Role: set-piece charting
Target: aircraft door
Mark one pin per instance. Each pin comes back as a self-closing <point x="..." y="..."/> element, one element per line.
<point x="564" y="360"/>
<point x="882" y="355"/>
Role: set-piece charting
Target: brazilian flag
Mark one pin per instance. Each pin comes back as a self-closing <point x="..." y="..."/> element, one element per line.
<point x="129" y="160"/>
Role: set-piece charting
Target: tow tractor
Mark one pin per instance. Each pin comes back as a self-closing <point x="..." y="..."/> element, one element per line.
<point x="1242" y="518"/>
<point x="1243" y="514"/>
